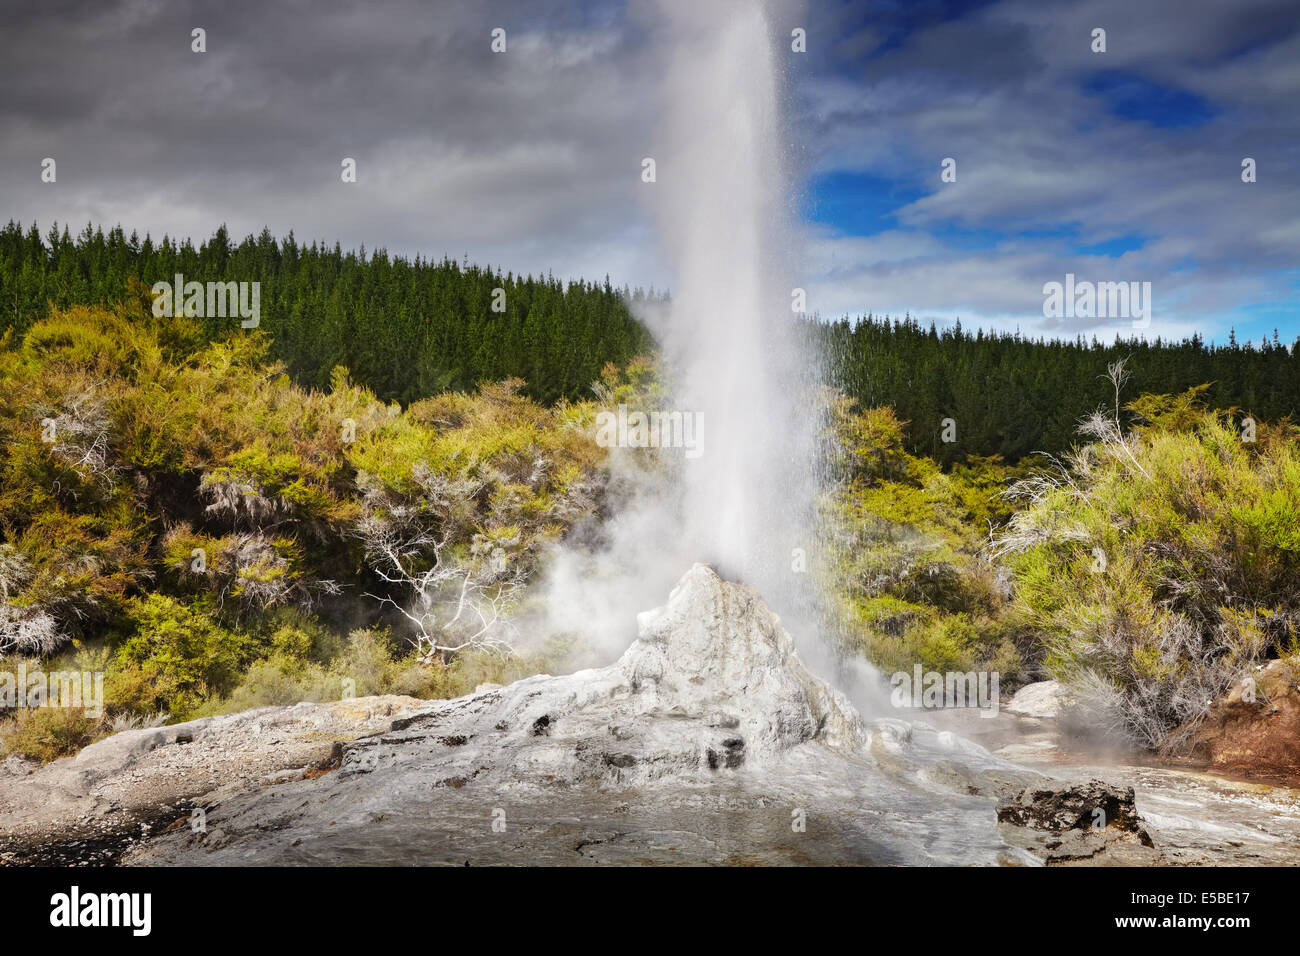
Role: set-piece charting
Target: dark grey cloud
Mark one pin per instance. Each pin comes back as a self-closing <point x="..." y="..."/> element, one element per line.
<point x="530" y="158"/>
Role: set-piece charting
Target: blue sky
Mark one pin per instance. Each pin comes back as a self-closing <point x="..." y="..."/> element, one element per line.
<point x="1115" y="166"/>
<point x="1123" y="165"/>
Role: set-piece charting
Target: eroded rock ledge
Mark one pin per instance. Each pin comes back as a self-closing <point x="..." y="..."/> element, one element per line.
<point x="89" y="807"/>
<point x="1073" y="823"/>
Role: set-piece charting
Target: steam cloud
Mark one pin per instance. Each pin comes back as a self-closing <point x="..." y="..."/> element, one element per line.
<point x="721" y="200"/>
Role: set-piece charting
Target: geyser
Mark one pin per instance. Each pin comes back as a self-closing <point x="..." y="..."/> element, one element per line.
<point x="729" y="337"/>
<point x="744" y="500"/>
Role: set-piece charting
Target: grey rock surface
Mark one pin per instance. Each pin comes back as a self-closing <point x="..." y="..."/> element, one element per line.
<point x="1082" y="820"/>
<point x="1195" y="818"/>
<point x="136" y="777"/>
<point x="708" y="742"/>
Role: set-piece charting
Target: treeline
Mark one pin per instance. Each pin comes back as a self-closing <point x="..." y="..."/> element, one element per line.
<point x="411" y="328"/>
<point x="1011" y="396"/>
<point x="407" y="328"/>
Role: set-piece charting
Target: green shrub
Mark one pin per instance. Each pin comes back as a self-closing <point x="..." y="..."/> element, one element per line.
<point x="47" y="733"/>
<point x="1159" y="565"/>
<point x="904" y="569"/>
<point x="181" y="655"/>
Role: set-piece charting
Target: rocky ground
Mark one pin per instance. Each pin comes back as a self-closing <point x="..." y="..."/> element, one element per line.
<point x="91" y="807"/>
<point x="708" y="742"/>
<point x="1196" y="813"/>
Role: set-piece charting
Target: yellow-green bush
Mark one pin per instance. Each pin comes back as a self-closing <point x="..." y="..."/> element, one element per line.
<point x="47" y="733"/>
<point x="181" y="508"/>
<point x="1159" y="565"/>
<point x="904" y="569"/>
<point x="183" y="655"/>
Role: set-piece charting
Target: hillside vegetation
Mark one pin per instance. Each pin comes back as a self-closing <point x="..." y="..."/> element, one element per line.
<point x="179" y="514"/>
<point x="906" y="569"/>
<point x="1160" y="564"/>
<point x="407" y="328"/>
<point x="214" y="529"/>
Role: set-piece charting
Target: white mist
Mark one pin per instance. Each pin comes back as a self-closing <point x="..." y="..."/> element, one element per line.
<point x="721" y="200"/>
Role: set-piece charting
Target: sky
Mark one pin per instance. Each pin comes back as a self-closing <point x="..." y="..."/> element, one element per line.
<point x="1122" y="165"/>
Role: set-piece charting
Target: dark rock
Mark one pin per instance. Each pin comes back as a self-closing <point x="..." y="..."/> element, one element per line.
<point x="1071" y="807"/>
<point x="1071" y="822"/>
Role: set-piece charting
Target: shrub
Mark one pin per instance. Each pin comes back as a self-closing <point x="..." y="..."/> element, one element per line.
<point x="904" y="569"/>
<point x="47" y="733"/>
<point x="179" y="656"/>
<point x="1161" y="563"/>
